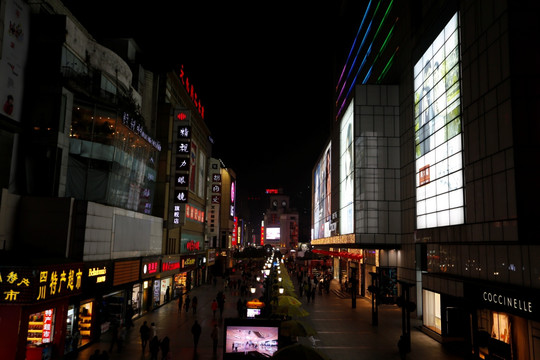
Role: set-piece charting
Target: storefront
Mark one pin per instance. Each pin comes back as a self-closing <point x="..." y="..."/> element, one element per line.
<point x="82" y="324"/>
<point x="35" y="301"/>
<point x="151" y="285"/>
<point x="444" y="316"/>
<point x="122" y="297"/>
<point x="504" y="322"/>
<point x="170" y="266"/>
<point x="183" y="281"/>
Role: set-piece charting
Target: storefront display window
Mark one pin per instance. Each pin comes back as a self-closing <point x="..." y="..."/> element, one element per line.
<point x="136" y="299"/>
<point x="500" y="329"/>
<point x="85" y="323"/>
<point x="180" y="283"/>
<point x="165" y="293"/>
<point x="432" y="311"/>
<point x="41" y="327"/>
<point x="73" y="335"/>
<point x="113" y="308"/>
<point x="156" y="292"/>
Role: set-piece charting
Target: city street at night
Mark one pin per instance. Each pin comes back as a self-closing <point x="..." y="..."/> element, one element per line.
<point x="343" y="333"/>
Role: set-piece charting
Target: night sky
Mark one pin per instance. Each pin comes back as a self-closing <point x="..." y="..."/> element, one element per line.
<point x="264" y="71"/>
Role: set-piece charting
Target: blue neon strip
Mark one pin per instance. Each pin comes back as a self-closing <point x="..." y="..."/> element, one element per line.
<point x="354" y="43"/>
<point x="351" y="87"/>
<point x="358" y="52"/>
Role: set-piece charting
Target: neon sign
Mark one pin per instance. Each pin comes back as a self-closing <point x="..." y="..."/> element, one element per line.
<point x="191" y="92"/>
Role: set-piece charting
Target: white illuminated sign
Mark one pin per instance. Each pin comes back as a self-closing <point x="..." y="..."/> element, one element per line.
<point x="272" y="233"/>
<point x="438" y="132"/>
<point x="346" y="172"/>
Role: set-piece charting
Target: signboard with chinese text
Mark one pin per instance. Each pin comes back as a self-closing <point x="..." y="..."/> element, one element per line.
<point x="30" y="285"/>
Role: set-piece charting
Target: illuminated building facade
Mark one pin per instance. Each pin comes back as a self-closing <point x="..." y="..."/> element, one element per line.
<point x="430" y="169"/>
<point x="281" y="223"/>
<point x="88" y="224"/>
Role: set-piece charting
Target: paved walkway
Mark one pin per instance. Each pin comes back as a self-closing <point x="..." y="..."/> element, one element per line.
<point x="343" y="333"/>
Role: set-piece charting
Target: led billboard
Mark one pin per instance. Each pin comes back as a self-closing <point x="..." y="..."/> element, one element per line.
<point x="272" y="233"/>
<point x="346" y="171"/>
<point x="438" y="132"/>
<point x="321" y="196"/>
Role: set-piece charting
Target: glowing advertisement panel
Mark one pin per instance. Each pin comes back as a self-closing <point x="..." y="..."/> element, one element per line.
<point x="346" y="172"/>
<point x="438" y="132"/>
<point x="321" y="196"/>
<point x="272" y="233"/>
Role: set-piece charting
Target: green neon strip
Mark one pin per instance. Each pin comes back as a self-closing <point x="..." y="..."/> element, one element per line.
<point x="387" y="67"/>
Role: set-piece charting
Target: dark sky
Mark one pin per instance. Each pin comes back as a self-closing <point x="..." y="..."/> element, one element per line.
<point x="263" y="70"/>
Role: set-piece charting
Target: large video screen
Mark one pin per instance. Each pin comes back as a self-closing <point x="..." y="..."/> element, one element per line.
<point x="346" y="172"/>
<point x="321" y="196"/>
<point x="248" y="336"/>
<point x="438" y="132"/>
<point x="272" y="233"/>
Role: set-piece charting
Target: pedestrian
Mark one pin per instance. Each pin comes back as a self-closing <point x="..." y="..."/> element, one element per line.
<point x="221" y="302"/>
<point x="145" y="335"/>
<point x="95" y="355"/>
<point x="188" y="300"/>
<point x="154" y="348"/>
<point x="196" y="331"/>
<point x="180" y="302"/>
<point x="214" y="335"/>
<point x="313" y="290"/>
<point x="401" y="348"/>
<point x="214" y="308"/>
<point x="240" y="308"/>
<point x="194" y="303"/>
<point x="167" y="294"/>
<point x="114" y="334"/>
<point x="121" y="337"/>
<point x="154" y="329"/>
<point x="165" y="347"/>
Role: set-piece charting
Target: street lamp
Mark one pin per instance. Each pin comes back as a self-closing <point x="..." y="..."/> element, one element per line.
<point x="252" y="289"/>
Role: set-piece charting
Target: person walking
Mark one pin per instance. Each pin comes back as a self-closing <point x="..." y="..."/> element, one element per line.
<point x="188" y="301"/>
<point x="194" y="303"/>
<point x="214" y="335"/>
<point x="221" y="302"/>
<point x="145" y="335"/>
<point x="214" y="308"/>
<point x="154" y="348"/>
<point x="154" y="329"/>
<point x="121" y="337"/>
<point x="196" y="331"/>
<point x="180" y="302"/>
<point x="114" y="334"/>
<point x="165" y="347"/>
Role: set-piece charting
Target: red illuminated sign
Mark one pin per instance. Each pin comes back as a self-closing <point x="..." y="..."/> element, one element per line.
<point x="235" y="231"/>
<point x="151" y="268"/>
<point x="262" y="235"/>
<point x="47" y="324"/>
<point x="191" y="92"/>
<point x="192" y="245"/>
<point x="424" y="176"/>
<point x="271" y="191"/>
<point x="167" y="266"/>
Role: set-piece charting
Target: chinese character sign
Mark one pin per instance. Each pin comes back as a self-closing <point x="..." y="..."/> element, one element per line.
<point x="30" y="285"/>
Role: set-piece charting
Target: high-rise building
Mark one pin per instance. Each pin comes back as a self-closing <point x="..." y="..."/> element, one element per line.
<point x="429" y="185"/>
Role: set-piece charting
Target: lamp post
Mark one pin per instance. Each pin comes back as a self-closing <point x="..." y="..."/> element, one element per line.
<point x="406" y="307"/>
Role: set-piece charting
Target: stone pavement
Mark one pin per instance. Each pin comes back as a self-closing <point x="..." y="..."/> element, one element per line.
<point x="343" y="333"/>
